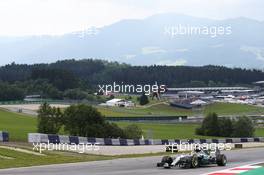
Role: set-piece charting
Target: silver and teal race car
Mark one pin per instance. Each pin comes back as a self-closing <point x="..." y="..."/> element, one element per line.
<point x="198" y="157"/>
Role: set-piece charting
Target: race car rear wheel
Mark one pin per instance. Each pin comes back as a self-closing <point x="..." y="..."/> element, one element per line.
<point x="221" y="160"/>
<point x="194" y="161"/>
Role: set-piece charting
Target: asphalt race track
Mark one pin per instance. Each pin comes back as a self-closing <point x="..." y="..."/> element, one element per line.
<point x="136" y="166"/>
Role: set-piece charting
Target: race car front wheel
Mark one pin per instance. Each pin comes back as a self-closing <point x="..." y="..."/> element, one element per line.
<point x="221" y="160"/>
<point x="194" y="161"/>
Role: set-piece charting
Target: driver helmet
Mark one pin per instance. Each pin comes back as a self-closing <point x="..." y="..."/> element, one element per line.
<point x="197" y="148"/>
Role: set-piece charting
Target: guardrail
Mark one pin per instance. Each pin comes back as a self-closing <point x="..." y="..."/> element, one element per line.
<point x="57" y="139"/>
<point x="4" y="136"/>
<point x="18" y="102"/>
<point x="148" y="118"/>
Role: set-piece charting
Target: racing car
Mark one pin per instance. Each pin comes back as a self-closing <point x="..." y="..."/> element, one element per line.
<point x="198" y="157"/>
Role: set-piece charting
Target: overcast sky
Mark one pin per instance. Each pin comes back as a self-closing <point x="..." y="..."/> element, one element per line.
<point x="53" y="17"/>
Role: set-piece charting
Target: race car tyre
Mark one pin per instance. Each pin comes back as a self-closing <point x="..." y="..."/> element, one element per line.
<point x="221" y="160"/>
<point x="160" y="164"/>
<point x="167" y="159"/>
<point x="194" y="161"/>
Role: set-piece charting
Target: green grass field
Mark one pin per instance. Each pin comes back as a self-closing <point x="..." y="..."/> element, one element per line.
<point x="259" y="132"/>
<point x="12" y="159"/>
<point x="164" y="109"/>
<point x="174" y="131"/>
<point x="166" y="131"/>
<point x="233" y="109"/>
<point x="18" y="125"/>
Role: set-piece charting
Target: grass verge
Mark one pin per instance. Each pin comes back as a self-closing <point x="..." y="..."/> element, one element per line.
<point x="18" y="125"/>
<point x="13" y="159"/>
<point x="175" y="131"/>
<point x="20" y="159"/>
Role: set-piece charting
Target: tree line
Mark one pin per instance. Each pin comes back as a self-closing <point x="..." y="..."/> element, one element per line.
<point x="213" y="125"/>
<point x="83" y="76"/>
<point x="82" y="120"/>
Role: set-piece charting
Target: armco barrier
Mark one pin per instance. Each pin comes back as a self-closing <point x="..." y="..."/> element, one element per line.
<point x="4" y="136"/>
<point x="148" y="118"/>
<point x="53" y="138"/>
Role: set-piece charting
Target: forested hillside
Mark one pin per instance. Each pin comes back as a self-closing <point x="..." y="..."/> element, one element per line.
<point x="62" y="78"/>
